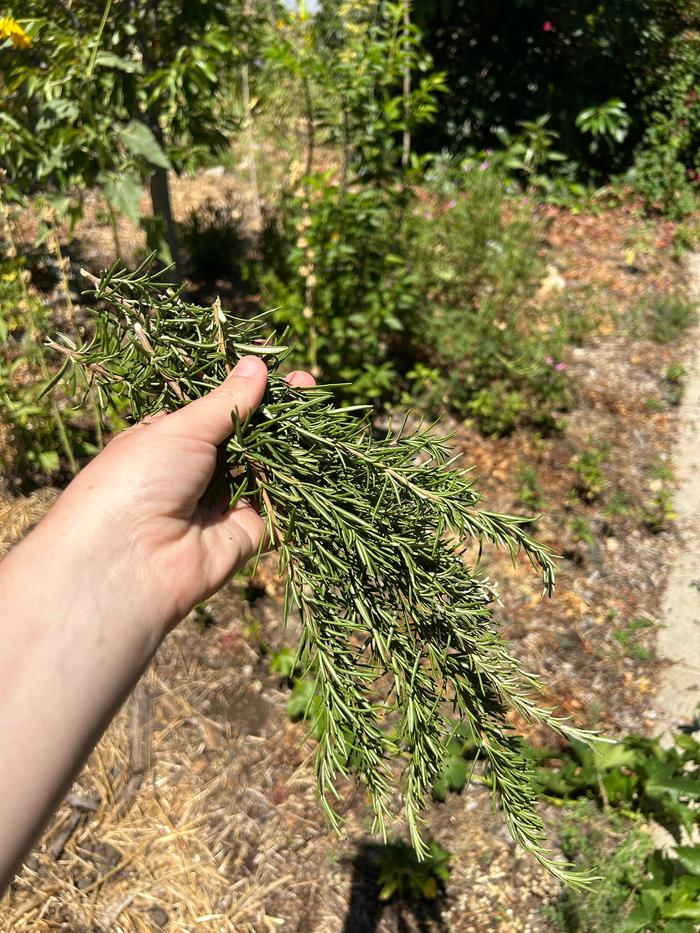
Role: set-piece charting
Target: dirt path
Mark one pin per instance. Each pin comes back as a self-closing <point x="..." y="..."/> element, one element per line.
<point x="679" y="639"/>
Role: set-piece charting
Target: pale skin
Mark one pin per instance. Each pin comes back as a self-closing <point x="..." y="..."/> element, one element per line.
<point x="125" y="553"/>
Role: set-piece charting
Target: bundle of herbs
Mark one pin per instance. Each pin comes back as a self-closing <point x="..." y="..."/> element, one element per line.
<point x="372" y="537"/>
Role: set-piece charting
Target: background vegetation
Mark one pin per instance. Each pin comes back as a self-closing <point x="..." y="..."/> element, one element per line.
<point x="398" y="170"/>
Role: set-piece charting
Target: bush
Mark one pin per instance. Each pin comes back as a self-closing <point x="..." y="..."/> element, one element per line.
<point x="215" y="243"/>
<point x="330" y="263"/>
<point x="475" y="259"/>
<point x="666" y="171"/>
<point x="45" y="438"/>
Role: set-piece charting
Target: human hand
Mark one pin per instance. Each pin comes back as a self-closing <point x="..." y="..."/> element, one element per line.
<point x="140" y="501"/>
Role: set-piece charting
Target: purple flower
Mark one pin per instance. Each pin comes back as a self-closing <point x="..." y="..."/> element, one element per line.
<point x="489" y="152"/>
<point x="484" y="165"/>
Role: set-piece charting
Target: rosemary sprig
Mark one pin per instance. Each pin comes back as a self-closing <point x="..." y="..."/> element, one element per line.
<point x="372" y="538"/>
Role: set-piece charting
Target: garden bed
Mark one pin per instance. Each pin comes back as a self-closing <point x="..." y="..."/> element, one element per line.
<point x="223" y="831"/>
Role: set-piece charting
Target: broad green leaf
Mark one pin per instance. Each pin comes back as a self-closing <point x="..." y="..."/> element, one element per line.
<point x="115" y="62"/>
<point x="689" y="857"/>
<point x="123" y="192"/>
<point x="141" y="142"/>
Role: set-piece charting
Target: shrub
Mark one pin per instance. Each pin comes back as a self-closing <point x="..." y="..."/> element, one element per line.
<point x="45" y="438"/>
<point x="666" y="171"/>
<point x="671" y="317"/>
<point x="475" y="259"/>
<point x="330" y="263"/>
<point x="215" y="243"/>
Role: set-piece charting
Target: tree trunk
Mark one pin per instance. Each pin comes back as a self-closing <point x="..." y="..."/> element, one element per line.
<point x="162" y="210"/>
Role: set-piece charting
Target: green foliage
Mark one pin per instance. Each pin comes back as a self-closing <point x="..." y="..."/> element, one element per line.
<point x="285" y="663"/>
<point x="45" y="436"/>
<point x="666" y="171"/>
<point x="215" y="244"/>
<point x="109" y="94"/>
<point x="507" y="62"/>
<point x="628" y="635"/>
<point x="637" y="774"/>
<point x="476" y="268"/>
<point x="608" y="122"/>
<point x="370" y="542"/>
<point x="675" y="376"/>
<point x="329" y="262"/>
<point x="581" y="530"/>
<point x="330" y="253"/>
<point x="347" y="70"/>
<point x="641" y="890"/>
<point x="404" y="877"/>
<point x="530" y="490"/>
<point x="457" y="765"/>
<point x="529" y="154"/>
<point x="617" y="851"/>
<point x="588" y="468"/>
<point x="671" y="317"/>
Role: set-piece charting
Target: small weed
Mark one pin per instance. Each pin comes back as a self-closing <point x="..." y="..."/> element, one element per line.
<point x="619" y="506"/>
<point x="590" y="477"/>
<point x="404" y="877"/>
<point x="581" y="530"/>
<point x="654" y="405"/>
<point x="670" y="317"/>
<point x="628" y="638"/>
<point x="675" y="376"/>
<point x="529" y="491"/>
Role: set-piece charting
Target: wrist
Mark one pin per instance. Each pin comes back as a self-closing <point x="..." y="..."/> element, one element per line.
<point x="87" y="568"/>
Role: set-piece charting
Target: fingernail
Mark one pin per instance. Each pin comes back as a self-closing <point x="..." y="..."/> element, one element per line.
<point x="247" y="366"/>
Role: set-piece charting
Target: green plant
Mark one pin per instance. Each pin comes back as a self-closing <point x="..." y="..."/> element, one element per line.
<point x="675" y="376"/>
<point x="529" y="154"/>
<point x="370" y="543"/>
<point x="656" y="511"/>
<point x="330" y="261"/>
<point x="617" y="851"/>
<point x="45" y="437"/>
<point x="666" y="171"/>
<point x="588" y="468"/>
<point x="285" y="663"/>
<point x="476" y="267"/>
<point x="581" y="530"/>
<point x="608" y="122"/>
<point x="670" y="317"/>
<point x="215" y="244"/>
<point x="114" y="94"/>
<point x="628" y="635"/>
<point x="405" y="877"/>
<point x="529" y="488"/>
<point x="642" y="890"/>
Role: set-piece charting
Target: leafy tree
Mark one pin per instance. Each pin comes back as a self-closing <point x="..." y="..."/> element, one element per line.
<point x="118" y="94"/>
<point x="512" y="61"/>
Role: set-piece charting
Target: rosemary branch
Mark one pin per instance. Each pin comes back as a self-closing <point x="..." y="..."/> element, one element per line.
<point x="371" y="534"/>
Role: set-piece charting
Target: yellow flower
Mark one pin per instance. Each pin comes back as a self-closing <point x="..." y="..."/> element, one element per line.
<point x="11" y="29"/>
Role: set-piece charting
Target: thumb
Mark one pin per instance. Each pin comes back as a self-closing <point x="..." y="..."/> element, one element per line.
<point x="209" y="418"/>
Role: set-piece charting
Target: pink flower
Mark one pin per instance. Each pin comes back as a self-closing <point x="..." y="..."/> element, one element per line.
<point x="489" y="152"/>
<point x="549" y="361"/>
<point x="484" y="165"/>
<point x="560" y="367"/>
<point x="548" y="26"/>
<point x="451" y="204"/>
